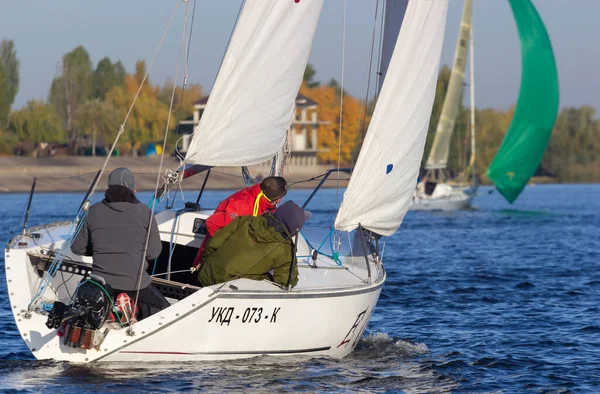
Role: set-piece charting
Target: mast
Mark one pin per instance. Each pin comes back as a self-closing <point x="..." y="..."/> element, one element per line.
<point x="472" y="100"/>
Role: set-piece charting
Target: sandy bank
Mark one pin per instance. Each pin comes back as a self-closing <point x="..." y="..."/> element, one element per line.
<point x="61" y="174"/>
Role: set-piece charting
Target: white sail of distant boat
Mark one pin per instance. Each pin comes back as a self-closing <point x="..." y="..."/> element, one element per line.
<point x="328" y="311"/>
<point x="252" y="102"/>
<point x="438" y="156"/>
<point x="385" y="176"/>
<point x="433" y="192"/>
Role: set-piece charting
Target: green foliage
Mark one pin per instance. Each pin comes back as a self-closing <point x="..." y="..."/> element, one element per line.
<point x="99" y="121"/>
<point x="9" y="78"/>
<point x="106" y="76"/>
<point x="37" y="122"/>
<point x="8" y="141"/>
<point x="574" y="149"/>
<point x="71" y="89"/>
<point x="309" y="74"/>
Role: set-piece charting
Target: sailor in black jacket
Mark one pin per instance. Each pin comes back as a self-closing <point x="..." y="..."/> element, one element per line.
<point x="115" y="232"/>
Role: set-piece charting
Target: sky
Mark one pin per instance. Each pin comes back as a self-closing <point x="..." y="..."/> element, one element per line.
<point x="43" y="31"/>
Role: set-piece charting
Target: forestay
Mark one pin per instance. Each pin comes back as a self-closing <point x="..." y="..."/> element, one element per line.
<point x="438" y="156"/>
<point x="252" y="102"/>
<point x="385" y="175"/>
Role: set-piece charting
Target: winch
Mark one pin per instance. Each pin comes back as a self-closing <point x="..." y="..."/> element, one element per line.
<point x="85" y="315"/>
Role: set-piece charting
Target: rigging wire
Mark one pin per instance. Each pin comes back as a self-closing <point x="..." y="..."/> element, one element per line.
<point x="162" y="156"/>
<point x="226" y="48"/>
<point x="185" y="76"/>
<point x="377" y="83"/>
<point x="363" y="119"/>
<point x="77" y="223"/>
<point x="122" y="127"/>
<point x="341" y="104"/>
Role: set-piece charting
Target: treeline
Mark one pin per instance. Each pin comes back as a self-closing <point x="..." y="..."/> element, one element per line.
<point x="86" y="106"/>
<point x="573" y="154"/>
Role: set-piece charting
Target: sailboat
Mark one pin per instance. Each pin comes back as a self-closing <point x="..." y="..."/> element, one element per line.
<point x="529" y="133"/>
<point x="434" y="192"/>
<point x="245" y="121"/>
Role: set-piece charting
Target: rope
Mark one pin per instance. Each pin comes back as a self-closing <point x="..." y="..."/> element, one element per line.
<point x="76" y="226"/>
<point x="341" y="105"/>
<point x="66" y="177"/>
<point x="162" y="157"/>
<point x="185" y="76"/>
<point x="172" y="242"/>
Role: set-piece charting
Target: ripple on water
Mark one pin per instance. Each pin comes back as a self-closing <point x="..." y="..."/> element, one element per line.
<point x="476" y="301"/>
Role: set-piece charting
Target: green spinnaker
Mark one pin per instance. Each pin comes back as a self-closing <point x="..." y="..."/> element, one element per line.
<point x="529" y="133"/>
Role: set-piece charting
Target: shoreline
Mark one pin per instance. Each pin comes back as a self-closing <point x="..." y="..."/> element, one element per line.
<point x="75" y="174"/>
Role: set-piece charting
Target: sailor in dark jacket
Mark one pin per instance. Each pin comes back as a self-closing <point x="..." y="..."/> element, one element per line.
<point x="115" y="232"/>
<point x="252" y="246"/>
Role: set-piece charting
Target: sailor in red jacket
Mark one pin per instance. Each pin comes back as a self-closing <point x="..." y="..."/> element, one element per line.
<point x="254" y="200"/>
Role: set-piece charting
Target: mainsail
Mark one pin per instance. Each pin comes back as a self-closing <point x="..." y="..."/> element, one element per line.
<point x="529" y="133"/>
<point x="385" y="176"/>
<point x="438" y="156"/>
<point x="252" y="102"/>
<point x="394" y="15"/>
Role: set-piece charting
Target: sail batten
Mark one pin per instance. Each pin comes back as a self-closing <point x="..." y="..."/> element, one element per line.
<point x="537" y="106"/>
<point x="252" y="102"/>
<point x="385" y="175"/>
<point x="438" y="156"/>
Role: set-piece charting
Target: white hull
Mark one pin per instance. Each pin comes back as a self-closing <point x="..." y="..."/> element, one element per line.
<point x="325" y="315"/>
<point x="454" y="202"/>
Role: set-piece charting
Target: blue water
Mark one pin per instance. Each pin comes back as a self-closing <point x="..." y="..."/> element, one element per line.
<point x="499" y="299"/>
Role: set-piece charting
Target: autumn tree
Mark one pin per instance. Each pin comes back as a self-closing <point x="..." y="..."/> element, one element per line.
<point x="9" y="79"/>
<point x="328" y="99"/>
<point x="183" y="100"/>
<point x="148" y="119"/>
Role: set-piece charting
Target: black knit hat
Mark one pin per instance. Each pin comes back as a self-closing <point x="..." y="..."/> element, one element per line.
<point x="274" y="187"/>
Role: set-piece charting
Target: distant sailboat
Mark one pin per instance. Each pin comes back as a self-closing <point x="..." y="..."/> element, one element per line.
<point x="433" y="192"/>
<point x="537" y="107"/>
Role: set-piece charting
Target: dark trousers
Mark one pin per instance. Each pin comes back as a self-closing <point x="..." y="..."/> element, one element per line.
<point x="150" y="300"/>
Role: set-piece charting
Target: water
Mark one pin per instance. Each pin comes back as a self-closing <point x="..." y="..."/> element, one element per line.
<point x="499" y="299"/>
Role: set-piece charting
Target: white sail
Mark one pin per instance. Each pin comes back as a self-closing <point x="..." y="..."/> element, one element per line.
<point x="252" y="102"/>
<point x="385" y="175"/>
<point x="438" y="156"/>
